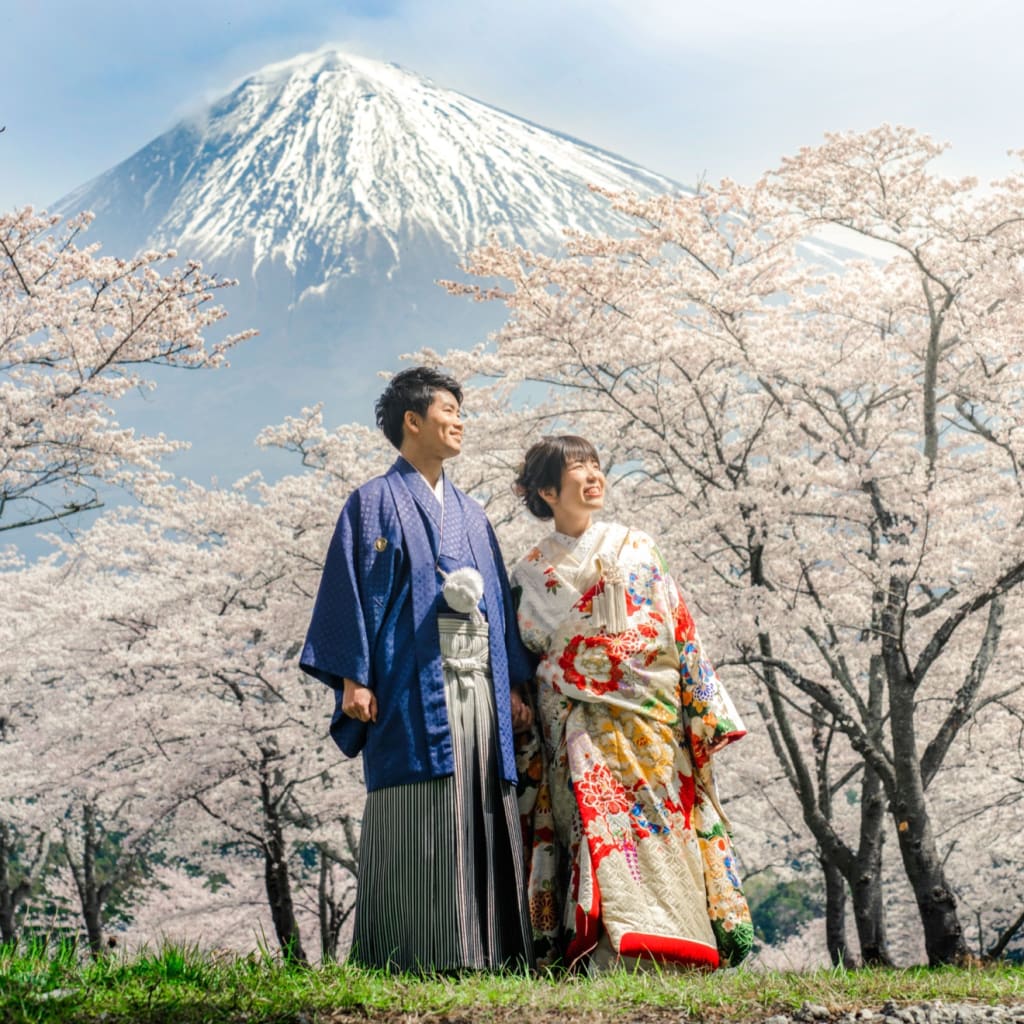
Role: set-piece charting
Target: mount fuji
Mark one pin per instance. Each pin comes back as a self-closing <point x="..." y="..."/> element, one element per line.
<point x="337" y="190"/>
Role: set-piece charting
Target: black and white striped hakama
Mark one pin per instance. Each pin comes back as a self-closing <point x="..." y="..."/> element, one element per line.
<point x="441" y="877"/>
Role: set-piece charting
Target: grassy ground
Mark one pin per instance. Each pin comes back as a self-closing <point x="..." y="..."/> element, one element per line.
<point x="184" y="986"/>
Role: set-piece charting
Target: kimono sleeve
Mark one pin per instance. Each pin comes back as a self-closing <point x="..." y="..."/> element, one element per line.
<point x="708" y="713"/>
<point x="337" y="645"/>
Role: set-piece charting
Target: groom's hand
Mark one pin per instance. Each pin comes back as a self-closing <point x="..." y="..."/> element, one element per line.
<point x="522" y="713"/>
<point x="358" y="702"/>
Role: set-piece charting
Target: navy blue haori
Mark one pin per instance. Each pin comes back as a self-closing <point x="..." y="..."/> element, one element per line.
<point x="375" y="621"/>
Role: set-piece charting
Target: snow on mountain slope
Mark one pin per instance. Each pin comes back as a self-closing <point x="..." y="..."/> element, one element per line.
<point x="333" y="164"/>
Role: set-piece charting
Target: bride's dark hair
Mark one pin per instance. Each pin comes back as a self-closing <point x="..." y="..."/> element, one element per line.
<point x="543" y="465"/>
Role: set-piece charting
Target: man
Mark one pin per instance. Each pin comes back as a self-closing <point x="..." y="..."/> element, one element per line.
<point x="414" y="629"/>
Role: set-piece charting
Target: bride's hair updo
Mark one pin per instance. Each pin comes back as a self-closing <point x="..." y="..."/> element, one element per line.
<point x="543" y="465"/>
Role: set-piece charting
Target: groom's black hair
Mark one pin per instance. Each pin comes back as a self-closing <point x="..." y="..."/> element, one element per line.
<point x="414" y="390"/>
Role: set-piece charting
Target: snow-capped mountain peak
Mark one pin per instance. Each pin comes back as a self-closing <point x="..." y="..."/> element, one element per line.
<point x="330" y="163"/>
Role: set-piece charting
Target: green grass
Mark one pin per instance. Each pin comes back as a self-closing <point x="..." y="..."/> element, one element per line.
<point x="183" y="986"/>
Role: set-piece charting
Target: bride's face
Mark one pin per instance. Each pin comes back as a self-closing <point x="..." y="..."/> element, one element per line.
<point x="580" y="494"/>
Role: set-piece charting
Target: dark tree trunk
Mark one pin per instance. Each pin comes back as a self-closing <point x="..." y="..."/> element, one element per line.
<point x="869" y="916"/>
<point x="330" y="911"/>
<point x="92" y="906"/>
<point x="278" y="884"/>
<point x="91" y="895"/>
<point x="943" y="933"/>
<point x="835" y="915"/>
<point x="8" y="928"/>
<point x="835" y="883"/>
<point x="866" y="883"/>
<point x="14" y="890"/>
<point x="334" y="908"/>
<point x="10" y="892"/>
<point x="8" y="916"/>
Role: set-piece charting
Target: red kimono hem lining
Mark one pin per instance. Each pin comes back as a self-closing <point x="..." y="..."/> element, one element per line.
<point x="668" y="950"/>
<point x="588" y="928"/>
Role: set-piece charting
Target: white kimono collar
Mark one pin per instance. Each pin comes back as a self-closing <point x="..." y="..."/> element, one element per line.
<point x="581" y="546"/>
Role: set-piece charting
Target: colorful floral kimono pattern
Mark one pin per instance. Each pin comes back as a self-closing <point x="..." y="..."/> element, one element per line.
<point x="624" y="832"/>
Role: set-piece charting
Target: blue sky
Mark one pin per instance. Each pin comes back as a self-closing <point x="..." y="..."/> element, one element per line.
<point x="687" y="89"/>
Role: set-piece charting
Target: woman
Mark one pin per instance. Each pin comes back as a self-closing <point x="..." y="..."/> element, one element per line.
<point x="628" y="851"/>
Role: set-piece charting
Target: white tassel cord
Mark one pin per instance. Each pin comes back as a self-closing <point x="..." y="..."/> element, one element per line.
<point x="610" y="605"/>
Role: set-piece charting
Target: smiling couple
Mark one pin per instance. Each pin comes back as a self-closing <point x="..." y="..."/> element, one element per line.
<point x="582" y="679"/>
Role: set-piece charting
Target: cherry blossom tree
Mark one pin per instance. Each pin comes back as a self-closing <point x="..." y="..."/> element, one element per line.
<point x="77" y="332"/>
<point x="935" y="442"/>
<point x="832" y="449"/>
<point x="227" y="579"/>
<point x="27" y="817"/>
<point x="181" y="621"/>
<point x="104" y="790"/>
